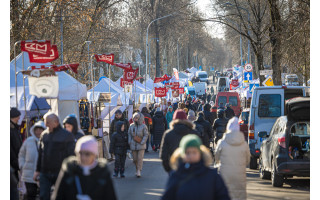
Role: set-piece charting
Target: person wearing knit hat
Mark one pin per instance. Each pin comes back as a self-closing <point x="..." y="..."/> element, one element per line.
<point x="169" y="115"/>
<point x="191" y="115"/>
<point x="87" y="172"/>
<point x="191" y="162"/>
<point x="15" y="140"/>
<point x="179" y="127"/>
<point x="232" y="148"/>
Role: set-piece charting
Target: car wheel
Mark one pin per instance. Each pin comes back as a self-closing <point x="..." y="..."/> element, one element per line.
<point x="263" y="174"/>
<point x="276" y="179"/>
<point x="253" y="163"/>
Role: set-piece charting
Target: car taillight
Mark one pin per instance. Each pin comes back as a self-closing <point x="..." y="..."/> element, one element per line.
<point x="251" y="131"/>
<point x="284" y="87"/>
<point x="282" y="141"/>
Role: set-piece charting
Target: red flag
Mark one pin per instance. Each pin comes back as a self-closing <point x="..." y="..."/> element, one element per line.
<point x="59" y="68"/>
<point x="54" y="54"/>
<point x="123" y="66"/>
<point x="130" y="75"/>
<point x="160" y="92"/>
<point x="181" y="90"/>
<point x="38" y="48"/>
<point x="175" y="86"/>
<point x="123" y="82"/>
<point x="105" y="58"/>
<point x="158" y="79"/>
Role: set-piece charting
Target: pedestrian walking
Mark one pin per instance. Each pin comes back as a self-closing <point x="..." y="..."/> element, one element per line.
<point x="159" y="127"/>
<point x="84" y="177"/>
<point x="28" y="157"/>
<point x="119" y="146"/>
<point x="119" y="116"/>
<point x="229" y="111"/>
<point x="193" y="178"/>
<point x="189" y="106"/>
<point x="191" y="116"/>
<point x="201" y="106"/>
<point x="148" y="123"/>
<point x="175" y="104"/>
<point x="181" y="105"/>
<point x="15" y="140"/>
<point x="153" y="111"/>
<point x="214" y="113"/>
<point x="179" y="127"/>
<point x="70" y="124"/>
<point x="169" y="116"/>
<point x="219" y="125"/>
<point x="232" y="156"/>
<point x="138" y="135"/>
<point x="55" y="144"/>
<point x="207" y="129"/>
<point x="209" y="116"/>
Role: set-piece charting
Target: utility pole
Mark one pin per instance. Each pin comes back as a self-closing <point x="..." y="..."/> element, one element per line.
<point x="178" y="56"/>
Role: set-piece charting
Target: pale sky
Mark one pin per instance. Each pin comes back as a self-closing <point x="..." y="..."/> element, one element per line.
<point x="214" y="29"/>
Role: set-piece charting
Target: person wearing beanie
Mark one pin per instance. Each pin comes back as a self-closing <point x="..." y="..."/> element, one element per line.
<point x="179" y="127"/>
<point x="119" y="116"/>
<point x="191" y="115"/>
<point x="15" y="140"/>
<point x="193" y="176"/>
<point x="232" y="155"/>
<point x="90" y="177"/>
<point x="229" y="111"/>
<point x="159" y="125"/>
<point x="70" y="124"/>
<point x="169" y="115"/>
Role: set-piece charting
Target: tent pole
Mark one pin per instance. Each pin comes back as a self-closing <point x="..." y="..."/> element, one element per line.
<point x="93" y="97"/>
<point x="15" y="71"/>
<point x="24" y="97"/>
<point x="110" y="96"/>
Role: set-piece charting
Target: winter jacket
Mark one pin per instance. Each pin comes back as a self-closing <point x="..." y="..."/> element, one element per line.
<point x="98" y="185"/>
<point x="147" y="118"/>
<point x="73" y="121"/>
<point x="207" y="130"/>
<point x="175" y="106"/>
<point x="169" y="117"/>
<point x="159" y="127"/>
<point x="171" y="139"/>
<point x="113" y="126"/>
<point x="15" y="145"/>
<point x="233" y="155"/>
<point x="219" y="126"/>
<point x="28" y="155"/>
<point x="200" y="107"/>
<point x="54" y="147"/>
<point x="195" y="182"/>
<point x="119" y="141"/>
<point x="229" y="113"/>
<point x="140" y="130"/>
<point x="209" y="116"/>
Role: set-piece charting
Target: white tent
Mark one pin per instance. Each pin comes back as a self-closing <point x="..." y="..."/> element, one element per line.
<point x="70" y="90"/>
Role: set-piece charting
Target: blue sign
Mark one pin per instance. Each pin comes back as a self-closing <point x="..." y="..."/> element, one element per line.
<point x="212" y="69"/>
<point x="247" y="76"/>
<point x="200" y="67"/>
<point x="251" y="85"/>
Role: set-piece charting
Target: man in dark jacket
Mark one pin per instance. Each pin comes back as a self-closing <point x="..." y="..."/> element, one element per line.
<point x="15" y="140"/>
<point x="207" y="129"/>
<point x="209" y="116"/>
<point x="148" y="122"/>
<point x="229" y="111"/>
<point x="189" y="106"/>
<point x="179" y="127"/>
<point x="119" y="116"/>
<point x="153" y="111"/>
<point x="159" y="126"/>
<point x="201" y="106"/>
<point x="219" y="125"/>
<point x="55" y="144"/>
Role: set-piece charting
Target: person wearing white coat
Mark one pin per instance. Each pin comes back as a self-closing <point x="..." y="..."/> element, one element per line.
<point x="28" y="157"/>
<point x="232" y="156"/>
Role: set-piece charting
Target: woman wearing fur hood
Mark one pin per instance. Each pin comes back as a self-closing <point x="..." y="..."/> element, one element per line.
<point x="193" y="178"/>
<point x="232" y="156"/>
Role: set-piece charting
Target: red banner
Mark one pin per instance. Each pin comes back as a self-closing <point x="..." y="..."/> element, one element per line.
<point x="54" y="54"/>
<point x="130" y="75"/>
<point x="181" y="90"/>
<point x="123" y="66"/>
<point x="163" y="78"/>
<point x="105" y="58"/>
<point x="172" y="85"/>
<point x="38" y="48"/>
<point x="123" y="82"/>
<point x="160" y="92"/>
<point x="59" y="68"/>
<point x="175" y="93"/>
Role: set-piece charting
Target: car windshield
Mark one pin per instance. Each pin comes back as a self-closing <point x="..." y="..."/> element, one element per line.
<point x="233" y="101"/>
<point x="222" y="99"/>
<point x="203" y="76"/>
<point x="245" y="117"/>
<point x="300" y="129"/>
<point x="269" y="105"/>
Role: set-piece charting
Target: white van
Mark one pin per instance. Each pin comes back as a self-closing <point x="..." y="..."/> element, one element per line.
<point x="200" y="88"/>
<point x="267" y="105"/>
<point x="223" y="84"/>
<point x="202" y="75"/>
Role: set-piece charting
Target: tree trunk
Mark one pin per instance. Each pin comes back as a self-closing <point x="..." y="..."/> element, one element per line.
<point x="275" y="40"/>
<point x="158" y="68"/>
<point x="260" y="65"/>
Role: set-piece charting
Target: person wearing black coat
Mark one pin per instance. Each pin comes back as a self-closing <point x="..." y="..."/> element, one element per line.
<point x="219" y="125"/>
<point x="179" y="127"/>
<point x="15" y="140"/>
<point x="209" y="116"/>
<point x="119" y="146"/>
<point x="148" y="123"/>
<point x="229" y="111"/>
<point x="159" y="126"/>
<point x="207" y="129"/>
<point x="189" y="106"/>
<point x="119" y="116"/>
<point x="70" y="124"/>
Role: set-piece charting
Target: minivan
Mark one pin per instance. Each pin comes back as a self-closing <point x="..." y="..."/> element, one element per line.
<point x="267" y="105"/>
<point x="286" y="151"/>
<point x="203" y="76"/>
<point x="229" y="97"/>
<point x="223" y="84"/>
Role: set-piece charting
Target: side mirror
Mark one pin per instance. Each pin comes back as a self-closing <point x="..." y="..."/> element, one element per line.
<point x="263" y="134"/>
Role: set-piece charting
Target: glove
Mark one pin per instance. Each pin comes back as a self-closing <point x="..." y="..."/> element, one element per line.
<point x="83" y="197"/>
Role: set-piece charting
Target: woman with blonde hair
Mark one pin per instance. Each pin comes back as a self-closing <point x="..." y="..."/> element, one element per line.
<point x="193" y="179"/>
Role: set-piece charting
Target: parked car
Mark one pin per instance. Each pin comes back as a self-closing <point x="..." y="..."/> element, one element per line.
<point x="223" y="84"/>
<point x="203" y="76"/>
<point x="267" y="105"/>
<point x="243" y="121"/>
<point x="285" y="152"/>
<point x="229" y="97"/>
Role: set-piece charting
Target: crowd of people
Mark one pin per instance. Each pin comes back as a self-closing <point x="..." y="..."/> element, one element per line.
<point x="189" y="135"/>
